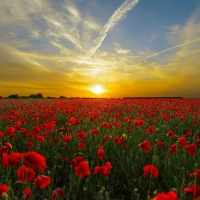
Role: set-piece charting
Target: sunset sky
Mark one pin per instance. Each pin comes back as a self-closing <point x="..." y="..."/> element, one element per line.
<point x="127" y="47"/>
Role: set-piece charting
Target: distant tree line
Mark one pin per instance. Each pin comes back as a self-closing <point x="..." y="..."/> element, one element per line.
<point x="32" y="96"/>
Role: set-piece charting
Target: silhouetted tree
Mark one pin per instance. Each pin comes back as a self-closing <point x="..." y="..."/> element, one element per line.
<point x="32" y="96"/>
<point x="62" y="97"/>
<point x="13" y="96"/>
<point x="39" y="95"/>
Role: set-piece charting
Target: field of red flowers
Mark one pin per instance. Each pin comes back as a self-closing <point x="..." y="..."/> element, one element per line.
<point x="100" y="149"/>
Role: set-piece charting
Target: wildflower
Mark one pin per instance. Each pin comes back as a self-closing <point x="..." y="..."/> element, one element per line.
<point x="182" y="141"/>
<point x="34" y="160"/>
<point x="150" y="130"/>
<point x="82" y="169"/>
<point x="80" y="135"/>
<point x="159" y="144"/>
<point x="95" y="131"/>
<point x="57" y="193"/>
<point x="118" y="141"/>
<point x="81" y="146"/>
<point x="66" y="139"/>
<point x="103" y="170"/>
<point x="1" y="135"/>
<point x="27" y="192"/>
<point x="25" y="174"/>
<point x="42" y="181"/>
<point x="3" y="149"/>
<point x="76" y="161"/>
<point x="100" y="153"/>
<point x="145" y="145"/>
<point x="64" y="159"/>
<point x="196" y="171"/>
<point x="8" y="145"/>
<point x="150" y="169"/>
<point x="170" y="133"/>
<point x="169" y="196"/>
<point x="105" y="125"/>
<point x="191" y="149"/>
<point x="3" y="188"/>
<point x="194" y="190"/>
<point x="11" y="160"/>
<point x="172" y="149"/>
<point x="29" y="145"/>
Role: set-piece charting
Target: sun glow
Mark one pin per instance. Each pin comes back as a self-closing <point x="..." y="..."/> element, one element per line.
<point x="97" y="89"/>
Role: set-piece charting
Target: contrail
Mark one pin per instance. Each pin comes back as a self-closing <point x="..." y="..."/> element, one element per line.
<point x="118" y="15"/>
<point x="155" y="54"/>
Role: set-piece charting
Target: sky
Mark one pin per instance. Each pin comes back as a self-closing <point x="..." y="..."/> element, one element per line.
<point x="129" y="48"/>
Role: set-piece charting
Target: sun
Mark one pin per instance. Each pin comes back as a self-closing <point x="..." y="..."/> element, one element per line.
<point x="97" y="89"/>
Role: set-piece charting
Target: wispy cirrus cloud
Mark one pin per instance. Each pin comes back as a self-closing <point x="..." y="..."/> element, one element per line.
<point x="117" y="16"/>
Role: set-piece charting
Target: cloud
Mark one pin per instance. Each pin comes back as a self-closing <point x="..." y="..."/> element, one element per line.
<point x="185" y="43"/>
<point x="119" y="50"/>
<point x="117" y="16"/>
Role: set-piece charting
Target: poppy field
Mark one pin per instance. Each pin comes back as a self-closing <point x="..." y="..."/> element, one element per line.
<point x="100" y="149"/>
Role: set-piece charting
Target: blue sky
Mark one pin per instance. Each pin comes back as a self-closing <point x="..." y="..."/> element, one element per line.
<point x="128" y="47"/>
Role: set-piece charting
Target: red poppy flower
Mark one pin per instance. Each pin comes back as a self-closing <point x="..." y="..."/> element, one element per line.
<point x="169" y="196"/>
<point x="82" y="169"/>
<point x="34" y="160"/>
<point x="117" y="141"/>
<point x="1" y="135"/>
<point x="182" y="141"/>
<point x="194" y="190"/>
<point x="195" y="122"/>
<point x="172" y="149"/>
<point x="191" y="149"/>
<point x="106" y="138"/>
<point x="100" y="153"/>
<point x="3" y="188"/>
<point x="64" y="159"/>
<point x="29" y="145"/>
<point x="105" y="125"/>
<point x="92" y="132"/>
<point x="42" y="181"/>
<point x="81" y="135"/>
<point x="3" y="149"/>
<point x="196" y="171"/>
<point x="11" y="160"/>
<point x="160" y="144"/>
<point x="10" y="130"/>
<point x="57" y="193"/>
<point x="81" y="146"/>
<point x="145" y="145"/>
<point x="150" y="170"/>
<point x="77" y="160"/>
<point x="27" y="192"/>
<point x="103" y="170"/>
<point x="150" y="129"/>
<point x="66" y="139"/>
<point x="170" y="133"/>
<point x="25" y="174"/>
<point x="8" y="145"/>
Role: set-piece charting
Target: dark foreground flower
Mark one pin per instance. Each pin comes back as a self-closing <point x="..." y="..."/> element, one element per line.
<point x="194" y="190"/>
<point x="150" y="170"/>
<point x="25" y="174"/>
<point x="42" y="181"/>
<point x="169" y="196"/>
<point x="57" y="193"/>
<point x="34" y="160"/>
<point x="103" y="170"/>
<point x="82" y="169"/>
<point x="3" y="188"/>
<point x="27" y="192"/>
